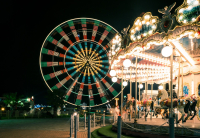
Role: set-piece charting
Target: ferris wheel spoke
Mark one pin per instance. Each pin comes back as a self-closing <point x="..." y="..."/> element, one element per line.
<point x="51" y="52"/>
<point x="73" y="63"/>
<point x="85" y="51"/>
<point x="80" y="92"/>
<point x="97" y="46"/>
<point x="90" y="92"/>
<point x="105" y="33"/>
<point x="84" y="28"/>
<point x="78" y="67"/>
<point x="111" y="89"/>
<point x="91" y="45"/>
<point x="73" y="58"/>
<point x="80" y="45"/>
<point x="50" y="64"/>
<point x="61" y="83"/>
<point x="55" y="42"/>
<point x="73" y="29"/>
<point x="102" y="61"/>
<point x="97" y="68"/>
<point x="94" y="31"/>
<point x="52" y="75"/>
<point x="64" y="35"/>
<point x="102" y="66"/>
<point x="100" y="91"/>
<point x="69" y="91"/>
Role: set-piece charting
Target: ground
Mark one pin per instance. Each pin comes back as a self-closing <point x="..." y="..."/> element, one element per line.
<point x="40" y="128"/>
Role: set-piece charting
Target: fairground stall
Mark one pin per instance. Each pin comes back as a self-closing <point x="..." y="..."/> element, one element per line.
<point x="160" y="51"/>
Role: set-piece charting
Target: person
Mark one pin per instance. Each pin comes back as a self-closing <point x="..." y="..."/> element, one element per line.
<point x="116" y="112"/>
<point x="192" y="108"/>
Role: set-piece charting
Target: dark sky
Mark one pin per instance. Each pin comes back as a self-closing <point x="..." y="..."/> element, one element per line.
<point x="25" y="25"/>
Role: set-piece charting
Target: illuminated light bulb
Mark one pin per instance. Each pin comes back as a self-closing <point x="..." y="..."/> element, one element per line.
<point x="153" y="20"/>
<point x="127" y="63"/>
<point x="125" y="83"/>
<point x="196" y="2"/>
<point x="138" y="37"/>
<point x="181" y="17"/>
<point x="154" y="27"/>
<point x="140" y="23"/>
<point x="143" y="22"/>
<point x="190" y="7"/>
<point x="148" y="23"/>
<point x="185" y="21"/>
<point x="137" y="28"/>
<point x="132" y="31"/>
<point x="181" y="11"/>
<point x="113" y="52"/>
<point x="112" y="72"/>
<point x="117" y="36"/>
<point x="150" y="32"/>
<point x="114" y="79"/>
<point x="193" y="19"/>
<point x="144" y="34"/>
<point x="147" y="17"/>
<point x="166" y="51"/>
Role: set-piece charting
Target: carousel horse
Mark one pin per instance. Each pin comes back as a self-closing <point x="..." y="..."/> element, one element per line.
<point x="162" y="109"/>
<point x="128" y="104"/>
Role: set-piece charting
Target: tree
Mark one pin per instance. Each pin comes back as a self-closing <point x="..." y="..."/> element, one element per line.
<point x="12" y="100"/>
<point x="56" y="99"/>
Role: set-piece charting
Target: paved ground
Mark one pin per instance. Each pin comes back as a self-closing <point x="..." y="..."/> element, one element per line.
<point x="40" y="128"/>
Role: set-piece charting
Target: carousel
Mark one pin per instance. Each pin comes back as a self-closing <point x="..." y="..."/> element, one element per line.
<point x="162" y="51"/>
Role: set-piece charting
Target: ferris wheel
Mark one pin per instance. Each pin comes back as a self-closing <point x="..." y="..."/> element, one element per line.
<point x="75" y="58"/>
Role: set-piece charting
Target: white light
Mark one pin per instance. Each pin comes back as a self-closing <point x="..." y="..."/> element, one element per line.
<point x="181" y="10"/>
<point x="166" y="51"/>
<point x="132" y="31"/>
<point x="147" y="17"/>
<point x="160" y="87"/>
<point x="114" y="79"/>
<point x="138" y="37"/>
<point x="181" y="17"/>
<point x="193" y="19"/>
<point x="125" y="83"/>
<point x="127" y="63"/>
<point x="148" y="23"/>
<point x="137" y="28"/>
<point x="112" y="72"/>
<point x="153" y="20"/>
<point x="113" y="52"/>
<point x="185" y="21"/>
<point x="144" y="34"/>
<point x="154" y="27"/>
<point x="150" y="32"/>
<point x="143" y="22"/>
<point x="190" y="7"/>
<point x="140" y="86"/>
<point x="75" y="113"/>
<point x="196" y="2"/>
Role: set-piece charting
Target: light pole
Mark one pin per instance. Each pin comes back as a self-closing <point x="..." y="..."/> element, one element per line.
<point x="166" y="52"/>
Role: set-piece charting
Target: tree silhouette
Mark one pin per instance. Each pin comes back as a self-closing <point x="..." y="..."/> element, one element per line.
<point x="13" y="100"/>
<point x="55" y="99"/>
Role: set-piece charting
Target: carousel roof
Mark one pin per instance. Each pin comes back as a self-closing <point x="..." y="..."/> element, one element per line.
<point x="147" y="37"/>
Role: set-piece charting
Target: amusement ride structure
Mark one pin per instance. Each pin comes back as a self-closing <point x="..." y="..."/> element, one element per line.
<point x="88" y="54"/>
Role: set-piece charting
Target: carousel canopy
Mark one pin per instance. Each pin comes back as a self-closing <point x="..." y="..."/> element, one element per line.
<point x="146" y="41"/>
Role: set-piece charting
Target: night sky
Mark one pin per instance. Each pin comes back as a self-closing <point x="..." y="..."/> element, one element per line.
<point x="25" y="25"/>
